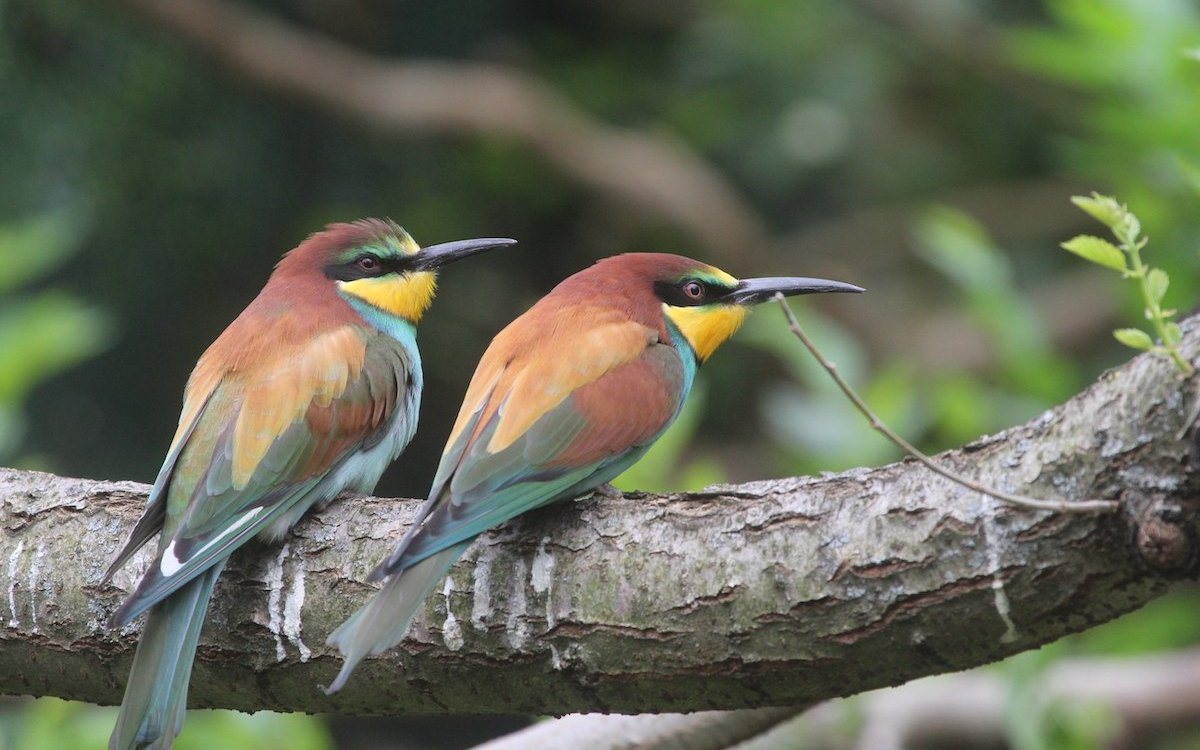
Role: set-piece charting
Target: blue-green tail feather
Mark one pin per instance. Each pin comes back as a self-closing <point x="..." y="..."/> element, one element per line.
<point x="155" y="701"/>
<point x="382" y="622"/>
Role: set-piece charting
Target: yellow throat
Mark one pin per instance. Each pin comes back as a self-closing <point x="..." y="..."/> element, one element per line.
<point x="706" y="327"/>
<point x="405" y="295"/>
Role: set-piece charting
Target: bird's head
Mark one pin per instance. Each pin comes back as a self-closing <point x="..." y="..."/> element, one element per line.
<point x="377" y="262"/>
<point x="708" y="305"/>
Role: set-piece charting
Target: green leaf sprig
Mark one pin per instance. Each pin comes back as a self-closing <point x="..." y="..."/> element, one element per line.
<point x="1125" y="258"/>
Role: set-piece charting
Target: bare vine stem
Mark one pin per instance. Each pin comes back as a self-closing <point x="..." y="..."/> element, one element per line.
<point x="1021" y="501"/>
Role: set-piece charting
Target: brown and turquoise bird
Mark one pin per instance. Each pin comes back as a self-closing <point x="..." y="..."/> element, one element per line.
<point x="312" y="390"/>
<point x="566" y="397"/>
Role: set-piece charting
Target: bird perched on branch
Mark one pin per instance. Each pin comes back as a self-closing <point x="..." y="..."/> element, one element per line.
<point x="312" y="390"/>
<point x="566" y="397"/>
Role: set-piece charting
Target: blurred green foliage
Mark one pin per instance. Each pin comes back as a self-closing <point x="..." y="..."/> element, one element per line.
<point x="1126" y="259"/>
<point x="1034" y="723"/>
<point x="1133" y="62"/>
<point x="42" y="331"/>
<point x="54" y="724"/>
<point x="824" y="114"/>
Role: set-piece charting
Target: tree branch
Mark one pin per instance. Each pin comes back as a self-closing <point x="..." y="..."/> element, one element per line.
<point x="780" y="592"/>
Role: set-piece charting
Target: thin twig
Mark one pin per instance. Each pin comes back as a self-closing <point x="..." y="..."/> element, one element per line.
<point x="1062" y="506"/>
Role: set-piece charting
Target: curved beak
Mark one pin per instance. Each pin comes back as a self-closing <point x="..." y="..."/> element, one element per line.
<point x="754" y="291"/>
<point x="435" y="256"/>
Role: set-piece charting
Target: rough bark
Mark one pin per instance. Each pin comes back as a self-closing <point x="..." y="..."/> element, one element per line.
<point x="772" y="593"/>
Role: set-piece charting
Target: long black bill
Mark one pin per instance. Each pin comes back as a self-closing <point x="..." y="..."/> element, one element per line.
<point x="435" y="256"/>
<point x="754" y="291"/>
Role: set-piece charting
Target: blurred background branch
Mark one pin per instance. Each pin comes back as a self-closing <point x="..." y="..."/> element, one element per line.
<point x="1117" y="702"/>
<point x="644" y="172"/>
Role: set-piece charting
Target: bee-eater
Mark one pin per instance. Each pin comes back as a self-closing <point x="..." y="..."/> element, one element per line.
<point x="312" y="390"/>
<point x="565" y="398"/>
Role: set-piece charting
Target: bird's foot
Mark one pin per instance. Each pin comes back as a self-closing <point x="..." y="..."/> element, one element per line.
<point x="607" y="491"/>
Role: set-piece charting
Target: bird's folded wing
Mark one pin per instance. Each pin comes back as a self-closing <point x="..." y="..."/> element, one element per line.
<point x="264" y="438"/>
<point x="546" y="426"/>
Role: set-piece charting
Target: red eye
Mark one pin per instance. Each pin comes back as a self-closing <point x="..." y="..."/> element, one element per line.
<point x="693" y="289"/>
<point x="367" y="263"/>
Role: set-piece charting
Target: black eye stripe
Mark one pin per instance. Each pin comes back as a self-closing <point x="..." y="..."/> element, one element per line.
<point x="353" y="270"/>
<point x="676" y="294"/>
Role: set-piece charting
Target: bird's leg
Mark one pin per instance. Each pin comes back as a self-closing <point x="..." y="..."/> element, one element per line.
<point x="607" y="491"/>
